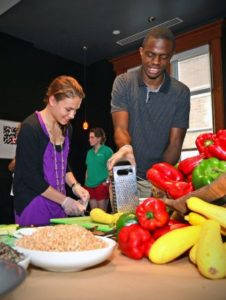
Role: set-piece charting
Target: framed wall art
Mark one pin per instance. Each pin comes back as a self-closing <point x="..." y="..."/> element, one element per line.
<point x="8" y="136"/>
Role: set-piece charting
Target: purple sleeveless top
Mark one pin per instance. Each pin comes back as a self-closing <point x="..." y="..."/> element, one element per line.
<point x="40" y="210"/>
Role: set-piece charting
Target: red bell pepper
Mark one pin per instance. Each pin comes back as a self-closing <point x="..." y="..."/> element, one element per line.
<point x="189" y="178"/>
<point x="171" y="225"/>
<point x="168" y="170"/>
<point x="179" y="189"/>
<point x="169" y="179"/>
<point x="221" y="136"/>
<point x="160" y="180"/>
<point x="187" y="165"/>
<point x="218" y="149"/>
<point x="163" y="174"/>
<point x="203" y="141"/>
<point x="152" y="213"/>
<point x="212" y="145"/>
<point x="135" y="241"/>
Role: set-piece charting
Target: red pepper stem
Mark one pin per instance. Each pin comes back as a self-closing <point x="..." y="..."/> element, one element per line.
<point x="208" y="142"/>
<point x="149" y="215"/>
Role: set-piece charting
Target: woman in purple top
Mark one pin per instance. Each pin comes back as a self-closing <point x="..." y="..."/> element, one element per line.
<point x="42" y="168"/>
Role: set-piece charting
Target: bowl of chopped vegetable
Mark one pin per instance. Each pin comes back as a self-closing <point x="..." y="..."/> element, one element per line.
<point x="65" y="248"/>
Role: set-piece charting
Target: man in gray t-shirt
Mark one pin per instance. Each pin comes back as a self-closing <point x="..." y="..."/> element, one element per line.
<point x="150" y="109"/>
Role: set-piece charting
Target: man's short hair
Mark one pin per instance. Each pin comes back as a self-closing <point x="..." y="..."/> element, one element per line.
<point x="160" y="33"/>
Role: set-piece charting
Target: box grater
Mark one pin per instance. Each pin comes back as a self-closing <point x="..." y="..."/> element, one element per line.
<point x="124" y="196"/>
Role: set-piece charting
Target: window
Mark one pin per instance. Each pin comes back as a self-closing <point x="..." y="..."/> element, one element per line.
<point x="193" y="68"/>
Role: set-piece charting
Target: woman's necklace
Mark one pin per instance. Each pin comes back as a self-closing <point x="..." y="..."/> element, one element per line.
<point x="57" y="140"/>
<point x="60" y="183"/>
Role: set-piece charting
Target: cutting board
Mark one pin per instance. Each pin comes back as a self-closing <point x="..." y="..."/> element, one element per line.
<point x="83" y="221"/>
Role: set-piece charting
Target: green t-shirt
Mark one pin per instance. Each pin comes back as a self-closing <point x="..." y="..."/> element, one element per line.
<point x="96" y="163"/>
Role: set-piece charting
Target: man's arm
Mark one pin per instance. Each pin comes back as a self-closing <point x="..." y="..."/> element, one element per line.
<point x="173" y="151"/>
<point x="120" y="121"/>
<point x="122" y="139"/>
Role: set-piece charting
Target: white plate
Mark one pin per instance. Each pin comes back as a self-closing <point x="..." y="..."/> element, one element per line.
<point x="24" y="231"/>
<point x="69" y="261"/>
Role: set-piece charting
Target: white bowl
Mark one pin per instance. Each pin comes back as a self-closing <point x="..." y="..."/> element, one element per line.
<point x="69" y="261"/>
<point x="24" y="231"/>
<point x="25" y="262"/>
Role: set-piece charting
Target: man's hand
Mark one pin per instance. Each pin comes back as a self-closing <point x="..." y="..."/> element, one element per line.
<point x="124" y="153"/>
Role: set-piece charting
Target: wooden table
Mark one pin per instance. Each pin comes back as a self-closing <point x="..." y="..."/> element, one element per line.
<point x="122" y="278"/>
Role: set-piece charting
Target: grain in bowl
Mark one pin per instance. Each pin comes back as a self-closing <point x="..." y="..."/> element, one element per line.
<point x="61" y="238"/>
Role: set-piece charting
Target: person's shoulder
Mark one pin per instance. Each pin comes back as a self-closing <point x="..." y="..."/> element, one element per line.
<point x="128" y="76"/>
<point x="177" y="84"/>
<point x="31" y="120"/>
<point x="90" y="151"/>
<point x="107" y="148"/>
<point x="31" y="124"/>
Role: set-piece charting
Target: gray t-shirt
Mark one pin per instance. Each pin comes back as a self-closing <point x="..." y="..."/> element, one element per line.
<point x="151" y="114"/>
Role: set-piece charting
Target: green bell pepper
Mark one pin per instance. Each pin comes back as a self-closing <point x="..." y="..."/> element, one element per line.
<point x="126" y="219"/>
<point x="207" y="171"/>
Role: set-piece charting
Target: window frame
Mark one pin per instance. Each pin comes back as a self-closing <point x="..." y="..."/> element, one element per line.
<point x="197" y="92"/>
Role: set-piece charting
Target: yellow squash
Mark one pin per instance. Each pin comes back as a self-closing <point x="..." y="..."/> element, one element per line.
<point x="209" y="210"/>
<point x="193" y="253"/>
<point x="100" y="216"/>
<point x="116" y="217"/>
<point x="210" y="252"/>
<point x="197" y="219"/>
<point x="8" y="229"/>
<point x="194" y="218"/>
<point x="174" y="243"/>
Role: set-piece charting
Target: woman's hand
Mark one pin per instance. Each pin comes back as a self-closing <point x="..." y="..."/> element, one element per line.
<point x="82" y="193"/>
<point x="72" y="207"/>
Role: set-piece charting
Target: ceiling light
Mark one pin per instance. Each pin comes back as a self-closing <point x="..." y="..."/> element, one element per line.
<point x="151" y="19"/>
<point x="85" y="124"/>
<point x="116" y="32"/>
